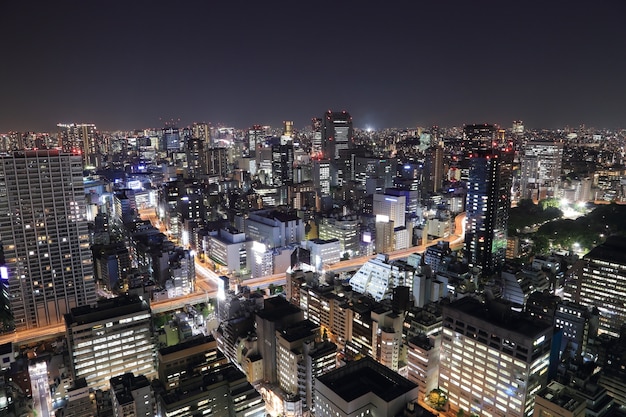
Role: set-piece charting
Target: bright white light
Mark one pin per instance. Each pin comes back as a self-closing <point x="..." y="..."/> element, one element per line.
<point x="258" y="247"/>
<point x="564" y="202"/>
<point x="382" y="218"/>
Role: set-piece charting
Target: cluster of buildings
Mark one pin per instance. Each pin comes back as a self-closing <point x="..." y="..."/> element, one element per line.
<point x="454" y="326"/>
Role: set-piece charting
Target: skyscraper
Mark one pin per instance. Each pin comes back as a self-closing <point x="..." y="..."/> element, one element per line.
<point x="83" y="138"/>
<point x="45" y="242"/>
<point x="540" y="169"/>
<point x="337" y="133"/>
<point x="492" y="360"/>
<point x="487" y="207"/>
<point x="601" y="282"/>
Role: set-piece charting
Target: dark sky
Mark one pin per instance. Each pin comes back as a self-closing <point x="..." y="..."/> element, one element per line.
<point x="128" y="64"/>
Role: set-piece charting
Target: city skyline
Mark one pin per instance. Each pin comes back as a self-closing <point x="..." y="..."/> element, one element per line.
<point x="126" y="66"/>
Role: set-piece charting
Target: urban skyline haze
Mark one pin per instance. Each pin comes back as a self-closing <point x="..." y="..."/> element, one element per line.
<point x="126" y="65"/>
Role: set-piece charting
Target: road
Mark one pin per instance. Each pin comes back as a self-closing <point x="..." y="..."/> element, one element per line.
<point x="454" y="239"/>
<point x="206" y="282"/>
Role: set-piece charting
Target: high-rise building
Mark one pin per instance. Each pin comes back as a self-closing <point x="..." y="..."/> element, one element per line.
<point x="202" y="131"/>
<point x="170" y="139"/>
<point x="316" y="139"/>
<point x="601" y="283"/>
<point x="282" y="164"/>
<point x="540" y="169"/>
<point x="109" y="339"/>
<point x="45" y="241"/>
<point x="337" y="133"/>
<point x="196" y="156"/>
<point x="256" y="135"/>
<point x="479" y="136"/>
<point x="82" y="138"/>
<point x="433" y="169"/>
<point x="390" y="208"/>
<point x="492" y="362"/>
<point x="487" y="209"/>
<point x="217" y="162"/>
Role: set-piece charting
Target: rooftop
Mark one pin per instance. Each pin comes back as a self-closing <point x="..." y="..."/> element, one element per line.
<point x="366" y="376"/>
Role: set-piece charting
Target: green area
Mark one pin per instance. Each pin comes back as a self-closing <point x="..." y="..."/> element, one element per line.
<point x="587" y="231"/>
<point x="554" y="232"/>
<point x="528" y="214"/>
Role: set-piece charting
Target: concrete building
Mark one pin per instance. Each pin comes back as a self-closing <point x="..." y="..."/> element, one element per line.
<point x="223" y="392"/>
<point x="492" y="360"/>
<point x="556" y="400"/>
<point x="423" y="363"/>
<point x="487" y="209"/>
<point x="601" y="283"/>
<point x="109" y="339"/>
<point x="540" y="169"/>
<point x="360" y="388"/>
<point x="45" y="238"/>
<point x="132" y="396"/>
<point x="186" y="359"/>
<point x="378" y="276"/>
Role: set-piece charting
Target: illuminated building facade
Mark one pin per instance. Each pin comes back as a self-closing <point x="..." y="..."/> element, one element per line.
<point x="540" y="169"/>
<point x="487" y="209"/>
<point x="81" y="138"/>
<point x="187" y="359"/>
<point x="109" y="339"/>
<point x="45" y="240"/>
<point x="492" y="362"/>
<point x="378" y="276"/>
<point x="423" y="363"/>
<point x="223" y="392"/>
<point x="601" y="283"/>
<point x="345" y="230"/>
<point x="337" y="133"/>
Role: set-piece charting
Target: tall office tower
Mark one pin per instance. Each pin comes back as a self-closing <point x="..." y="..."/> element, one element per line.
<point x="299" y="359"/>
<point x="492" y="362"/>
<point x="282" y="164"/>
<point x="45" y="241"/>
<point x="390" y="208"/>
<point x="433" y="169"/>
<point x="81" y="137"/>
<point x="132" y="396"/>
<point x="170" y="139"/>
<point x="256" y="135"/>
<point x="337" y="133"/>
<point x="479" y="136"/>
<point x="288" y="128"/>
<point x="196" y="156"/>
<point x="277" y="314"/>
<point x="363" y="387"/>
<point x="217" y="162"/>
<point x="202" y="131"/>
<point x="487" y="209"/>
<point x="321" y="182"/>
<point x="601" y="282"/>
<point x="423" y="362"/>
<point x="540" y="169"/>
<point x="110" y="339"/>
<point x="316" y="139"/>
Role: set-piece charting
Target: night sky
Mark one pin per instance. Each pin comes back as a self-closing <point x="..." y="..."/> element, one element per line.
<point x="132" y="64"/>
